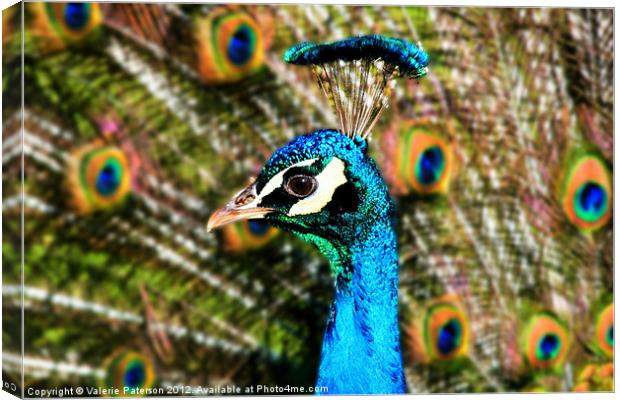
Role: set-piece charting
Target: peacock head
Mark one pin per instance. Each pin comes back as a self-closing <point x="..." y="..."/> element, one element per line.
<point x="322" y="184"/>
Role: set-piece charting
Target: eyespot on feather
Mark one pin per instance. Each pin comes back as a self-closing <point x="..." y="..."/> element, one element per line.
<point x="229" y="45"/>
<point x="57" y="25"/>
<point x="446" y="331"/>
<point x="605" y="331"/>
<point x="247" y="235"/>
<point x="587" y="195"/>
<point x="129" y="372"/>
<point x="424" y="161"/>
<point x="98" y="176"/>
<point x="545" y="342"/>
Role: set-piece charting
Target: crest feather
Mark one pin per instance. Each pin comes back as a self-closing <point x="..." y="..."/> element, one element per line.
<point x="356" y="75"/>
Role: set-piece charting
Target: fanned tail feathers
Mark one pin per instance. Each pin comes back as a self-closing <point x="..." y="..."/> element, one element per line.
<point x="499" y="161"/>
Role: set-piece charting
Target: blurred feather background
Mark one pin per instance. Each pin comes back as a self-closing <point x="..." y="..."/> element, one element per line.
<point x="140" y="119"/>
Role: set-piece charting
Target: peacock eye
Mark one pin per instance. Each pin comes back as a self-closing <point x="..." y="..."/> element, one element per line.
<point x="129" y="369"/>
<point x="546" y="342"/>
<point x="605" y="330"/>
<point x="61" y="24"/>
<point x="446" y="331"/>
<point x="230" y="45"/>
<point x="301" y="185"/>
<point x="99" y="176"/>
<point x="587" y="198"/>
<point x="247" y="235"/>
<point x="423" y="159"/>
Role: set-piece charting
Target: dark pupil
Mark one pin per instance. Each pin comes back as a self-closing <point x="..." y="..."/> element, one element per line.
<point x="76" y="15"/>
<point x="592" y="197"/>
<point x="134" y="376"/>
<point x="258" y="227"/>
<point x="449" y="337"/>
<point x="431" y="165"/>
<point x="548" y="346"/>
<point x="240" y="45"/>
<point x="107" y="181"/>
<point x="610" y="335"/>
<point x="301" y="185"/>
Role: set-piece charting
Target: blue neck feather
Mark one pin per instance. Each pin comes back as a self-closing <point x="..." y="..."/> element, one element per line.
<point x="361" y="348"/>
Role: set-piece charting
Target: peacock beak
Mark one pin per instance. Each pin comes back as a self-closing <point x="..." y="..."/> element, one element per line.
<point x="244" y="205"/>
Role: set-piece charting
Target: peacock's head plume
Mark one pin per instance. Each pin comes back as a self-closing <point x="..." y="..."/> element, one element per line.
<point x="356" y="75"/>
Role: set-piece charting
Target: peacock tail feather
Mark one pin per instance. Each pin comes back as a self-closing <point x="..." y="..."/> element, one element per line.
<point x="140" y="119"/>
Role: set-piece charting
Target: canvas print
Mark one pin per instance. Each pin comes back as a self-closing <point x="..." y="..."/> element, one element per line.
<point x="211" y="199"/>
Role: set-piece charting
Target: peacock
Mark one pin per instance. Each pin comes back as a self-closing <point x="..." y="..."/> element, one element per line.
<point x="324" y="188"/>
<point x="487" y="213"/>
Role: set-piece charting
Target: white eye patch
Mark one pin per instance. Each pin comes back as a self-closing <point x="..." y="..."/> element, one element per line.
<point x="278" y="178"/>
<point x="253" y="198"/>
<point x="328" y="181"/>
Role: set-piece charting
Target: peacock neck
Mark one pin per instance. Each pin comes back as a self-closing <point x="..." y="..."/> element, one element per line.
<point x="361" y="346"/>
